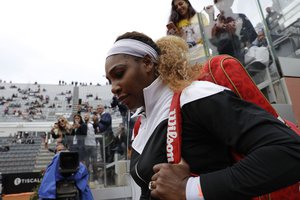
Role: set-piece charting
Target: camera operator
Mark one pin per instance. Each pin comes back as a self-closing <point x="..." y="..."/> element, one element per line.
<point x="57" y="184"/>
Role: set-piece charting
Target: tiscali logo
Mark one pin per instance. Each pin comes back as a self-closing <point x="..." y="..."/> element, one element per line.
<point x="17" y="181"/>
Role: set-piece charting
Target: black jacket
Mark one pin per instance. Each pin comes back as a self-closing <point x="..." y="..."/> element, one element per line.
<point x="215" y="125"/>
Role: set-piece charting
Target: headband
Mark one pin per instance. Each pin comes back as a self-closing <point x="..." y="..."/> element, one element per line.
<point x="134" y="48"/>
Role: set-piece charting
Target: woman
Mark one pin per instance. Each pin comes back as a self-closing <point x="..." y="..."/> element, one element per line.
<point x="60" y="131"/>
<point x="79" y="133"/>
<point x="239" y="31"/>
<point x="90" y="148"/>
<point x="183" y="22"/>
<point x="224" y="37"/>
<point x="214" y="121"/>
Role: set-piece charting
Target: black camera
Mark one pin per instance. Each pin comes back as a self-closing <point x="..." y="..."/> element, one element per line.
<point x="68" y="165"/>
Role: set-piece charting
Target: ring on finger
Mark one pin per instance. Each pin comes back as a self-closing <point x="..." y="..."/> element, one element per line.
<point x="150" y="186"/>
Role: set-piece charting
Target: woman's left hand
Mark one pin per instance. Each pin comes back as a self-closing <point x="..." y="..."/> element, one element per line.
<point x="169" y="181"/>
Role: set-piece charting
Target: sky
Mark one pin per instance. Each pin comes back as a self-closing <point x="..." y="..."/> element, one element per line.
<point x="46" y="41"/>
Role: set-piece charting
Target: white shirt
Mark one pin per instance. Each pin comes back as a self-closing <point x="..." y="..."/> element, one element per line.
<point x="90" y="139"/>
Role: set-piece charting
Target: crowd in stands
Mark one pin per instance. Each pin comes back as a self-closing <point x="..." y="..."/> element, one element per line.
<point x="26" y="103"/>
<point x="18" y="138"/>
<point x="23" y="138"/>
<point x="4" y="148"/>
<point x="29" y="102"/>
<point x="19" y="152"/>
<point x="60" y="82"/>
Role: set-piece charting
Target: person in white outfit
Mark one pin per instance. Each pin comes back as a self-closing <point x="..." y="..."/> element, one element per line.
<point x="90" y="148"/>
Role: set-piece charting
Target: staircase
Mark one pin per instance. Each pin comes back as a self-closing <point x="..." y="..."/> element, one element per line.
<point x="43" y="158"/>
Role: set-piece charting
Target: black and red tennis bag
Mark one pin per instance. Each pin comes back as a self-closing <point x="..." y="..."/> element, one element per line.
<point x="226" y="71"/>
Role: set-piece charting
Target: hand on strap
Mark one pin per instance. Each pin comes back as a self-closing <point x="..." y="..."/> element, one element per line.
<point x="169" y="181"/>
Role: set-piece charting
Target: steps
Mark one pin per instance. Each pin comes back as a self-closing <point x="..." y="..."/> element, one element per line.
<point x="43" y="158"/>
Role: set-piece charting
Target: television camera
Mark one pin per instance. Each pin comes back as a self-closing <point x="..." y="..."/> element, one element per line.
<point x="68" y="165"/>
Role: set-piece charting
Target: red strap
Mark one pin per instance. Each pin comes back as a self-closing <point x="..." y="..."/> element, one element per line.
<point x="136" y="126"/>
<point x="174" y="131"/>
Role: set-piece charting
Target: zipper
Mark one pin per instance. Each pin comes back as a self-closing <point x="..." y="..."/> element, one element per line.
<point x="136" y="171"/>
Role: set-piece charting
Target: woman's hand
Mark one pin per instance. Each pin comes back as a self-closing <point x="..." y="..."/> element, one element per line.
<point x="176" y="32"/>
<point x="173" y="30"/>
<point x="169" y="181"/>
<point x="76" y="125"/>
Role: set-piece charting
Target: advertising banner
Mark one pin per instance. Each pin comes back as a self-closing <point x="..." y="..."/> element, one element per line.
<point x="14" y="183"/>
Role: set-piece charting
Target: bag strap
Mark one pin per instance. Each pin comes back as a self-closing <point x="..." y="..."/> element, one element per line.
<point x="174" y="129"/>
<point x="136" y="126"/>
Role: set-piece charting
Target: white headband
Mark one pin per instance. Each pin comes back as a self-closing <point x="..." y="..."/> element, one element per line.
<point x="134" y="48"/>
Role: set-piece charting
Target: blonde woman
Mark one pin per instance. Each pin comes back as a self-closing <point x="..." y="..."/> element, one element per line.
<point x="60" y="130"/>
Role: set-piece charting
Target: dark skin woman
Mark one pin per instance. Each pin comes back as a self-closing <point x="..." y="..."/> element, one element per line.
<point x="144" y="76"/>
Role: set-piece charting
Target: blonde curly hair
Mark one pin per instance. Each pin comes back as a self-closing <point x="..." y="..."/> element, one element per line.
<point x="174" y="67"/>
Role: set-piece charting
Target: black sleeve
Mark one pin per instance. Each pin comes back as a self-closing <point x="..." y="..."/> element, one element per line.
<point x="54" y="136"/>
<point x="83" y="129"/>
<point x="248" y="33"/>
<point x="73" y="132"/>
<point x="271" y="149"/>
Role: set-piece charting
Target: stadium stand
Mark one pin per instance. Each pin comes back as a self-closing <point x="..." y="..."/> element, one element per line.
<point x="19" y="157"/>
<point x="44" y="102"/>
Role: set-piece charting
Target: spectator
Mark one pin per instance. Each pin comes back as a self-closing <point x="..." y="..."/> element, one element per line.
<point x="79" y="132"/>
<point x="120" y="140"/>
<point x="261" y="40"/>
<point x="105" y="120"/>
<point x="183" y="22"/>
<point x="122" y="109"/>
<point x="90" y="148"/>
<point x="224" y="37"/>
<point x="4" y="148"/>
<point x="95" y="122"/>
<point x="272" y="21"/>
<point x="237" y="25"/>
<point x="60" y="132"/>
<point x="105" y="128"/>
<point x="114" y="102"/>
<point x="257" y="58"/>
<point x="6" y="111"/>
<point x="30" y="140"/>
